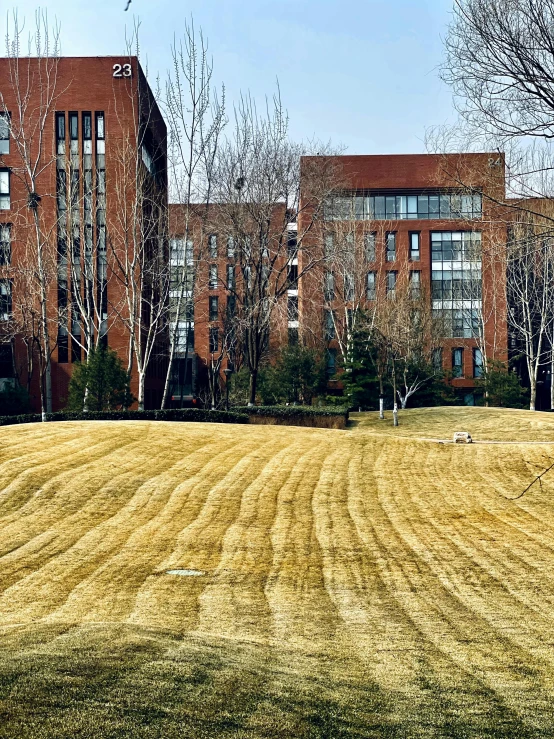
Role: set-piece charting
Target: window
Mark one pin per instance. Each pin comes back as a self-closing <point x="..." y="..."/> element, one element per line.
<point x="213" y="277"/>
<point x="5" y="189"/>
<point x="73" y="122"/>
<point x="390" y="245"/>
<point x="457" y="362"/>
<point x="293" y="336"/>
<point x="87" y="127"/>
<point x="415" y="284"/>
<point x="437" y="360"/>
<point x="5" y="300"/>
<point x="329" y="286"/>
<point x="370" y="240"/>
<point x="214" y="308"/>
<point x="212" y="246"/>
<point x="328" y="325"/>
<point x="391" y="283"/>
<point x="230" y="247"/>
<point x="230" y="277"/>
<point x="5" y="244"/>
<point x="100" y="133"/>
<point x="181" y="254"/>
<point x="4" y="133"/>
<point x="477" y="363"/>
<point x="293" y="277"/>
<point x="328" y="243"/>
<point x="6" y="360"/>
<point x="348" y="287"/>
<point x="331" y="365"/>
<point x="414" y="246"/>
<point x="292" y="307"/>
<point x="292" y="245"/>
<point x="362" y="205"/>
<point x="370" y="286"/>
<point x="60" y="133"/>
<point x="63" y="348"/>
<point x="214" y="339"/>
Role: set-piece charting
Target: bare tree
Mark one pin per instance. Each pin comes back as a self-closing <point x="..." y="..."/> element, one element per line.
<point x="28" y="102"/>
<point x="196" y="117"/>
<point x="500" y="63"/>
<point x="258" y="194"/>
<point x="137" y="230"/>
<point x="530" y="252"/>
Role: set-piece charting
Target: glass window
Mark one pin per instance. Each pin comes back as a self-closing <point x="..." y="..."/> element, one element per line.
<point x="457" y="362"/>
<point x="415" y="284"/>
<point x="370" y="291"/>
<point x="214" y="339"/>
<point x="329" y="286"/>
<point x="100" y="129"/>
<point x="5" y="203"/>
<point x="328" y="243"/>
<point x="477" y="363"/>
<point x="5" y="300"/>
<point x="292" y="277"/>
<point x="214" y="308"/>
<point x="230" y="277"/>
<point x="414" y="246"/>
<point x="391" y="283"/>
<point x="212" y="245"/>
<point x="349" y="287"/>
<point x="4" y="133"/>
<point x="292" y="307"/>
<point x="370" y="240"/>
<point x="60" y="126"/>
<point x="390" y="245"/>
<point x="5" y="244"/>
<point x="87" y="126"/>
<point x="213" y="277"/>
<point x="230" y="247"/>
<point x="331" y="368"/>
<point x="73" y="126"/>
<point x="328" y="325"/>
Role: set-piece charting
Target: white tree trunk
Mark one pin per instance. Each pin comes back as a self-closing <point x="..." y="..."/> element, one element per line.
<point x="381" y="408"/>
<point x="142" y="382"/>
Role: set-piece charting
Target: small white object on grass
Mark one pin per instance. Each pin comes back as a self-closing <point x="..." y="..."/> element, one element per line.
<point x="185" y="573"/>
<point x="462" y="437"/>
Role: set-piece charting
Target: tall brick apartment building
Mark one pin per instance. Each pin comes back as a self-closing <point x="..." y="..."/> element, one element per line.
<point x="432" y="221"/>
<point x="83" y="160"/>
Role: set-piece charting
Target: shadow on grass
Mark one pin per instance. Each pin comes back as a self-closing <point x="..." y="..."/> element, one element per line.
<point x="87" y="684"/>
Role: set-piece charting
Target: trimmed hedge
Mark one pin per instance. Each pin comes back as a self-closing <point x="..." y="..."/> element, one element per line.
<point x="297" y="415"/>
<point x="292" y="411"/>
<point x="169" y="414"/>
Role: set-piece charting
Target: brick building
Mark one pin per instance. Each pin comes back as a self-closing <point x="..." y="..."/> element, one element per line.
<point x="83" y="165"/>
<point x="428" y="220"/>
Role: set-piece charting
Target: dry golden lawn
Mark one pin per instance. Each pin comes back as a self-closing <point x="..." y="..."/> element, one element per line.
<point x="357" y="583"/>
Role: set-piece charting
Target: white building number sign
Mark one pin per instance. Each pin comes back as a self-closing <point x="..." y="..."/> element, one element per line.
<point x="122" y="70"/>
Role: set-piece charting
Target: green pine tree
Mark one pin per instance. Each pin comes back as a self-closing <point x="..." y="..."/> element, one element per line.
<point x="100" y="384"/>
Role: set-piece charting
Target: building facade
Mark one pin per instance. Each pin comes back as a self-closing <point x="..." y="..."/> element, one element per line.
<point x="83" y="179"/>
<point x="429" y="223"/>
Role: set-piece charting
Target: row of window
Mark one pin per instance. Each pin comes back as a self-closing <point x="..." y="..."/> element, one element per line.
<point x="362" y="206"/>
<point x="458" y="362"/>
<point x="370" y="245"/>
<point x="371" y="285"/>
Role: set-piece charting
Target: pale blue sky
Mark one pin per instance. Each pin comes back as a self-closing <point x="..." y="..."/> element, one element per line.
<point x="359" y="72"/>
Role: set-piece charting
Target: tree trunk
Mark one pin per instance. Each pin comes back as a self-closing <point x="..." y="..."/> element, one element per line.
<point x="395" y="408"/>
<point x="381" y="400"/>
<point x="253" y="387"/>
<point x="142" y="382"/>
<point x="552" y="378"/>
<point x="533" y="398"/>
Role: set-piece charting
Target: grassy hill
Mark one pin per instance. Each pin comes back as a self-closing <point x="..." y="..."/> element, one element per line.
<point x="359" y="583"/>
